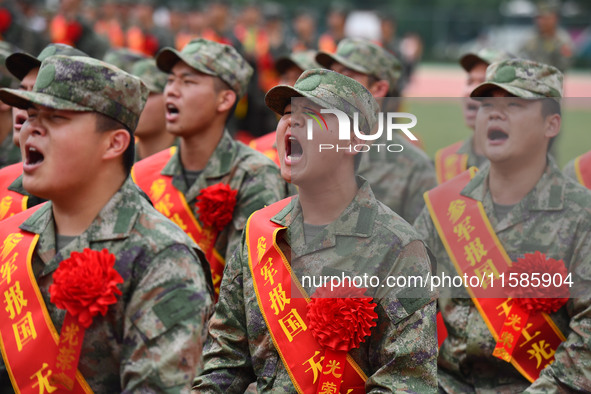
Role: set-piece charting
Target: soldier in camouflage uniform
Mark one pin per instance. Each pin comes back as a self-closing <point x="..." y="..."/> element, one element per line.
<point x="78" y="154"/>
<point x="25" y="68"/>
<point x="327" y="233"/>
<point x="205" y="81"/>
<point x="549" y="44"/>
<point x="532" y="207"/>
<point x="397" y="179"/>
<point x="9" y="151"/>
<point x="151" y="129"/>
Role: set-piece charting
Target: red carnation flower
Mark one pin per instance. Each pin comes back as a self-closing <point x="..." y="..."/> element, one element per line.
<point x="215" y="205"/>
<point x="540" y="298"/>
<point x="73" y="32"/>
<point x="341" y="324"/>
<point x="86" y="284"/>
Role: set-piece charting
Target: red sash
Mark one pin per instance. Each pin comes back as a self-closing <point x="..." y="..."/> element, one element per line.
<point x="449" y="163"/>
<point x="28" y="339"/>
<point x="266" y="145"/>
<point x="11" y="202"/>
<point x="284" y="309"/>
<point x="583" y="169"/>
<point x="171" y="203"/>
<point x="475" y="250"/>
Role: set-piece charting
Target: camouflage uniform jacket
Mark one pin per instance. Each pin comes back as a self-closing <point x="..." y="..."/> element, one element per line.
<point x="9" y="152"/>
<point x="401" y="352"/>
<point x="556" y="51"/>
<point x="555" y="219"/>
<point x="256" y="178"/>
<point x="399" y="179"/>
<point x="17" y="186"/>
<point x="151" y="339"/>
<point x="569" y="170"/>
<point x="474" y="160"/>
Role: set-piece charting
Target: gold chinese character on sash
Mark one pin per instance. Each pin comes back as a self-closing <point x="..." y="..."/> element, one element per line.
<point x="450" y="164"/>
<point x="463" y="229"/>
<point x="505" y="307"/>
<point x="278" y="299"/>
<point x="5" y="206"/>
<point x="43" y="380"/>
<point x="157" y="189"/>
<point x="456" y="210"/>
<point x="9" y="244"/>
<point x="474" y="251"/>
<point x="292" y="324"/>
<point x="65" y="358"/>
<point x="261" y="247"/>
<point x="164" y="205"/>
<point x="178" y="221"/>
<point x="484" y="271"/>
<point x="506" y="339"/>
<point x="7" y="268"/>
<point x="514" y="321"/>
<point x="268" y="271"/>
<point x="24" y="331"/>
<point x="328" y="388"/>
<point x="528" y="337"/>
<point x="14" y="300"/>
<point x="70" y="335"/>
<point x="333" y="366"/>
<point x="315" y="366"/>
<point x="541" y="350"/>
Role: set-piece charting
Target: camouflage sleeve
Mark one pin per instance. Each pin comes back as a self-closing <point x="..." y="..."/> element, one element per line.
<point x="569" y="170"/>
<point x="422" y="178"/>
<point x="571" y="369"/>
<point x="260" y="187"/>
<point x="226" y="356"/>
<point x="166" y="324"/>
<point x="404" y="345"/>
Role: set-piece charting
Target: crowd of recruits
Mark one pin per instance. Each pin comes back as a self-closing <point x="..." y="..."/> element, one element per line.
<point x="158" y="330"/>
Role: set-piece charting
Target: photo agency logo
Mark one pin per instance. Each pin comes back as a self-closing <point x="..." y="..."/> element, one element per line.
<point x="381" y="139"/>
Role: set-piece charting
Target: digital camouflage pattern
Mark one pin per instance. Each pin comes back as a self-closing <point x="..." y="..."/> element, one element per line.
<point x="474" y="160"/>
<point x="150" y="74"/>
<point x="9" y="153"/>
<point x="328" y="89"/>
<point x="522" y="78"/>
<point x="569" y="170"/>
<point x="305" y="60"/>
<point x="400" y="354"/>
<point x="256" y="178"/>
<point x="364" y="56"/>
<point x="123" y="58"/>
<point x="78" y="83"/>
<point x="211" y="58"/>
<point x="150" y="341"/>
<point x="21" y="63"/>
<point x="399" y="180"/>
<point x="554" y="218"/>
<point x="484" y="55"/>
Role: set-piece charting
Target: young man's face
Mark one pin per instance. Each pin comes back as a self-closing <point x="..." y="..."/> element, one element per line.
<point x="153" y="118"/>
<point x="475" y="77"/>
<point x="60" y="150"/>
<point x="191" y="100"/>
<point x="19" y="116"/>
<point x="514" y="127"/>
<point x="309" y="162"/>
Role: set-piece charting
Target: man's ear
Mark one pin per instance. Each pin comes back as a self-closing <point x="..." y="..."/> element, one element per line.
<point x="355" y="140"/>
<point x="553" y="123"/>
<point x="116" y="143"/>
<point x="380" y="88"/>
<point x="226" y="99"/>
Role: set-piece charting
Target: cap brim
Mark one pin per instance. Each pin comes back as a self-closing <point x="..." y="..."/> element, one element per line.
<point x="168" y="57"/>
<point x="283" y="64"/>
<point x="327" y="59"/>
<point x="483" y="90"/>
<point x="469" y="60"/>
<point x="20" y="64"/>
<point x="23" y="99"/>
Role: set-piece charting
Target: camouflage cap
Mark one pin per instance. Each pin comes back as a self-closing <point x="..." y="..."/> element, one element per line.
<point x="328" y="89"/>
<point x="7" y="80"/>
<point x="522" y="78"/>
<point x="547" y="7"/>
<point x="76" y="83"/>
<point x="21" y="63"/>
<point x="305" y="60"/>
<point x="484" y="55"/>
<point x="123" y="58"/>
<point x="211" y="58"/>
<point x="365" y="57"/>
<point x="150" y="74"/>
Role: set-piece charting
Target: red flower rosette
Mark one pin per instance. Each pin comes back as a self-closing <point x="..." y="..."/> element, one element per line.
<point x="215" y="205"/>
<point x="539" y="298"/>
<point x="341" y="319"/>
<point x="86" y="284"/>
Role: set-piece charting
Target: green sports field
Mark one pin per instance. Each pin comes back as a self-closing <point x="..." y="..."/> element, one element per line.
<point x="440" y="123"/>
